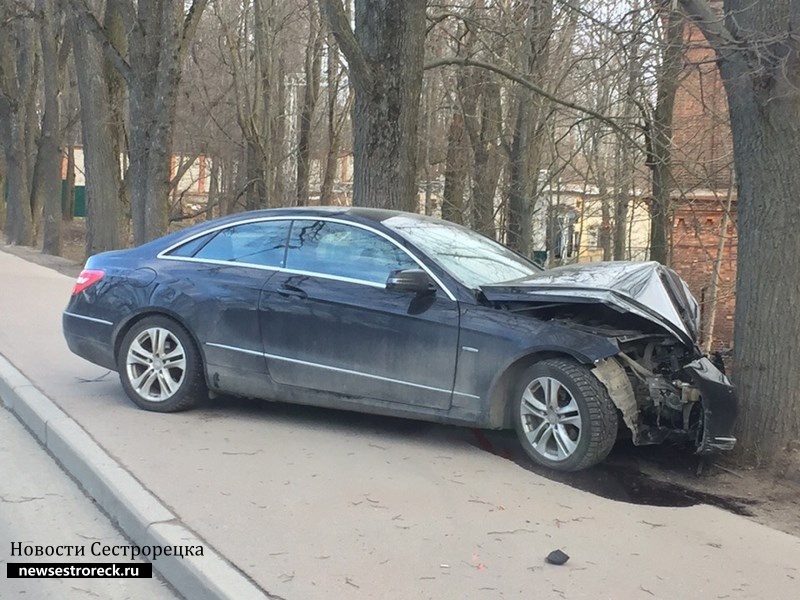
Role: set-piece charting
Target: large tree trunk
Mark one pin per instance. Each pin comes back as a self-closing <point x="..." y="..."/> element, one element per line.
<point x="32" y="133"/>
<point x="158" y="42"/>
<point x="385" y="58"/>
<point x="761" y="73"/>
<point x="528" y="128"/>
<point x="455" y="171"/>
<point x="50" y="155"/>
<point x="101" y="164"/>
<point x="660" y="137"/>
<point x="17" y="79"/>
<point x="156" y="73"/>
<point x="484" y="127"/>
<point x="116" y="30"/>
<point x="310" y="94"/>
<point x="767" y="153"/>
<point x="626" y="167"/>
<point x="334" y="121"/>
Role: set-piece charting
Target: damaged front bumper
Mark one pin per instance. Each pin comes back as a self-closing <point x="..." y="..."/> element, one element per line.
<point x="720" y="406"/>
<point x="705" y="404"/>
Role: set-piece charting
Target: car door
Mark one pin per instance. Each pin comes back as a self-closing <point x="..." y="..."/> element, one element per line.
<point x="329" y="323"/>
<point x="222" y="274"/>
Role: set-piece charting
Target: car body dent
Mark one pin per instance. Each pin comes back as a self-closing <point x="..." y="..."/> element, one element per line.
<point x="652" y="292"/>
<point x="644" y="289"/>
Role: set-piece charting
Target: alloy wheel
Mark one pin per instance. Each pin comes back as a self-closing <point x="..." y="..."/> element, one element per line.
<point x="156" y="364"/>
<point x="551" y="418"/>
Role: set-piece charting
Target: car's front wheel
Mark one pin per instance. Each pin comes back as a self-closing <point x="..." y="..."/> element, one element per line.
<point x="563" y="415"/>
<point x="159" y="366"/>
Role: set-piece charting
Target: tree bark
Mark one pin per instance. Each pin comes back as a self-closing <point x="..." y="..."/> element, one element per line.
<point x="484" y="126"/>
<point x="660" y="137"/>
<point x="50" y="140"/>
<point x="158" y="39"/>
<point x="335" y="123"/>
<point x="759" y="59"/>
<point x="455" y="171"/>
<point x="626" y="163"/>
<point x="101" y="164"/>
<point x="385" y="57"/>
<point x="527" y="132"/>
<point x="116" y="30"/>
<point x="310" y="94"/>
<point x="17" y="77"/>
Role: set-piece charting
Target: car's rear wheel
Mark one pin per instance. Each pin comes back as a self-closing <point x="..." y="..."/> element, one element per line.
<point x="160" y="367"/>
<point x="563" y="415"/>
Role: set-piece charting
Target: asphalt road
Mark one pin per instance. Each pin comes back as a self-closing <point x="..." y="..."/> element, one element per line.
<point x="41" y="505"/>
<point x="318" y="504"/>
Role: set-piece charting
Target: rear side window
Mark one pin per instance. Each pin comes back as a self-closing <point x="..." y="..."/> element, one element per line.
<point x="189" y="248"/>
<point x="344" y="251"/>
<point x="262" y="243"/>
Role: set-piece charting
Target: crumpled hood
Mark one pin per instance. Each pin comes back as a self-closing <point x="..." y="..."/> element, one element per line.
<point x="647" y="289"/>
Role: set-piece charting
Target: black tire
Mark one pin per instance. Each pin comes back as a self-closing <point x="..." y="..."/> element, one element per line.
<point x="582" y="430"/>
<point x="169" y="385"/>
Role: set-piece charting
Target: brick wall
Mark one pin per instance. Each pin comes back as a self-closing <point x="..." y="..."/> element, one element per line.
<point x="702" y="163"/>
<point x="696" y="236"/>
<point x="702" y="145"/>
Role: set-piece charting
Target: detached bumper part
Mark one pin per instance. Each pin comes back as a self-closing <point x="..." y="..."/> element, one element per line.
<point x="720" y="406"/>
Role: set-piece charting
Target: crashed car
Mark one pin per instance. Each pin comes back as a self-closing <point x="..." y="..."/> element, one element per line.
<point x="404" y="315"/>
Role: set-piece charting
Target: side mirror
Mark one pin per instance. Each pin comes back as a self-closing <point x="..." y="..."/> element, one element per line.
<point x="410" y="280"/>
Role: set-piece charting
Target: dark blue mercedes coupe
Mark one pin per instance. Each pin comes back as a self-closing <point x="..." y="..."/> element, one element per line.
<point x="399" y="314"/>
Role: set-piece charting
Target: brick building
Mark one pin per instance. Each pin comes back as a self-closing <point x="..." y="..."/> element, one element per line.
<point x="702" y="167"/>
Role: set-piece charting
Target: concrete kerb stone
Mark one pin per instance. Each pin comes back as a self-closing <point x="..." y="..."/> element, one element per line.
<point x="140" y="515"/>
<point x="215" y="575"/>
<point x="111" y="486"/>
<point x="10" y="380"/>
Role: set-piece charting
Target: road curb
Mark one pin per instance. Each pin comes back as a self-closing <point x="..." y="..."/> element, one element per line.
<point x="135" y="510"/>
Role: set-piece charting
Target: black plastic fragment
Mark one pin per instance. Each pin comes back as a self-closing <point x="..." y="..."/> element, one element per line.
<point x="557" y="557"/>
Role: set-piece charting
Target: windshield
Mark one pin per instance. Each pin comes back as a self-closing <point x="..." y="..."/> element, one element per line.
<point x="470" y="257"/>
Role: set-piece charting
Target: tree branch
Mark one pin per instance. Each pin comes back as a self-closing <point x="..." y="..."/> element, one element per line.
<point x="339" y="24"/>
<point x="468" y="62"/>
<point x="99" y="33"/>
<point x="190" y="23"/>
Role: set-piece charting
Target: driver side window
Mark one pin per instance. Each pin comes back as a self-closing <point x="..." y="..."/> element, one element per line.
<point x="342" y="250"/>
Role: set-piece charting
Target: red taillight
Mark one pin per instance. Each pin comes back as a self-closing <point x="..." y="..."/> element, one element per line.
<point x="87" y="278"/>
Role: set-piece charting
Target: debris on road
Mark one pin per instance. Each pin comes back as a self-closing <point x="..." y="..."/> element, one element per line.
<point x="557" y="557"/>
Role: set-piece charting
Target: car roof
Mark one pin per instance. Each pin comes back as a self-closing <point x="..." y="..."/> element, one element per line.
<point x="372" y="214"/>
<point x="357" y="213"/>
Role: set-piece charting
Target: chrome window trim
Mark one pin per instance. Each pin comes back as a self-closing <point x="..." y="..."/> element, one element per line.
<point x="225" y="263"/>
<point x="84" y="317"/>
<point x="164" y="253"/>
<point x="339" y="369"/>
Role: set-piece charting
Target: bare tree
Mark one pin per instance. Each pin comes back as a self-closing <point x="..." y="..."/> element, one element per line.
<point x="312" y="72"/>
<point x="659" y="139"/>
<point x="19" y="65"/>
<point x="385" y="58"/>
<point x="47" y="186"/>
<point x="101" y="162"/>
<point x="759" y="58"/>
<point x="159" y="34"/>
